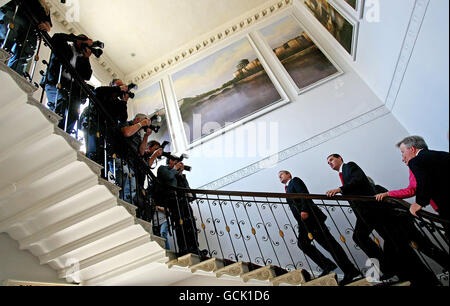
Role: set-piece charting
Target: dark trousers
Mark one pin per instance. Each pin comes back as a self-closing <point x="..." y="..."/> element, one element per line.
<point x="322" y="235"/>
<point x="182" y="222"/>
<point x="399" y="257"/>
<point x="423" y="243"/>
<point x="65" y="104"/>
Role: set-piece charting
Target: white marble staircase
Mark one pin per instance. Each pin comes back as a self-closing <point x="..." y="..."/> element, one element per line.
<point x="53" y="201"/>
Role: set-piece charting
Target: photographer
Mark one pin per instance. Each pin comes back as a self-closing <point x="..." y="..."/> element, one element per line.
<point x="93" y="122"/>
<point x="181" y="216"/>
<point x="64" y="94"/>
<point x="22" y="39"/>
<point x="143" y="200"/>
<point x="137" y="132"/>
<point x="189" y="226"/>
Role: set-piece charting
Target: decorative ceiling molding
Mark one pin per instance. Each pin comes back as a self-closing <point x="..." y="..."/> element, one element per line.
<point x="412" y="33"/>
<point x="210" y="39"/>
<point x="59" y="13"/>
<point x="301" y="147"/>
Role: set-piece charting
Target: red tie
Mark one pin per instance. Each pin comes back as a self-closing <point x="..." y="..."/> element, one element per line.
<point x="342" y="178"/>
<point x="285" y="188"/>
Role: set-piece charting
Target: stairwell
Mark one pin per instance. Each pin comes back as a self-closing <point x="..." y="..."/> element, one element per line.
<point x="54" y="203"/>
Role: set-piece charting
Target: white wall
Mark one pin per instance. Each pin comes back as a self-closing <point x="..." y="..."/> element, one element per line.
<point x="371" y="146"/>
<point x="380" y="42"/>
<point x="422" y="105"/>
<point x="22" y="265"/>
<point x="307" y="115"/>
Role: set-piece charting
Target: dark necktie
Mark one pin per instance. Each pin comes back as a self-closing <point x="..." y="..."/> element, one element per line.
<point x="342" y="178"/>
<point x="285" y="188"/>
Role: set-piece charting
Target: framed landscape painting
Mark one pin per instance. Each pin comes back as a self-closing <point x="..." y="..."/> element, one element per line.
<point x="305" y="63"/>
<point x="223" y="89"/>
<point x="341" y="27"/>
<point x="149" y="101"/>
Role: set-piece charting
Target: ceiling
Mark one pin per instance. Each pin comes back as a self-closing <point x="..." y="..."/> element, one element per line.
<point x="137" y="33"/>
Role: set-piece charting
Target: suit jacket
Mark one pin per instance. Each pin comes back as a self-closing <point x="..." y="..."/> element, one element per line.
<point x="61" y="42"/>
<point x="355" y="181"/>
<point x="430" y="169"/>
<point x="297" y="206"/>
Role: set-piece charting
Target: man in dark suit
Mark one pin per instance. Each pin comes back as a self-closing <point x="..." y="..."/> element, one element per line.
<point x="398" y="256"/>
<point x="311" y="221"/>
<point x="430" y="170"/>
<point x="355" y="182"/>
<point x="68" y="97"/>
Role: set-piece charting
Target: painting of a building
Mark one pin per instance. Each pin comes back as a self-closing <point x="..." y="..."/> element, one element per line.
<point x="302" y="59"/>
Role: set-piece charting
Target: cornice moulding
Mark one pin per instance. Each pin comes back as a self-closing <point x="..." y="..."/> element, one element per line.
<point x="412" y="33"/>
<point x="204" y="42"/>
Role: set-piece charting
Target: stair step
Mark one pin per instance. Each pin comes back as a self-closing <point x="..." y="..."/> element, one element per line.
<point x="146" y="225"/>
<point x="184" y="261"/>
<point x="112" y="187"/>
<point x="4" y="56"/>
<point x="159" y="240"/>
<point x="262" y="274"/>
<point x="171" y="255"/>
<point x="294" y="278"/>
<point x="75" y="144"/>
<point x="360" y="283"/>
<point x="209" y="265"/>
<point x="327" y="280"/>
<point x="402" y="284"/>
<point x="51" y="116"/>
<point x="68" y="222"/>
<point x="84" y="241"/>
<point x="129" y="207"/>
<point x="237" y="269"/>
<point x="96" y="168"/>
<point x="115" y="251"/>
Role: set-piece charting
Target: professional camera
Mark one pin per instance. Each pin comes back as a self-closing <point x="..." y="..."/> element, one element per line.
<point x="165" y="154"/>
<point x="155" y="128"/>
<point x="96" y="48"/>
<point x="183" y="156"/>
<point x="130" y="87"/>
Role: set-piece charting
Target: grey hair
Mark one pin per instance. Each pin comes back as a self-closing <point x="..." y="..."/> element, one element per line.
<point x="141" y="116"/>
<point x="413" y="141"/>
<point x="286" y="172"/>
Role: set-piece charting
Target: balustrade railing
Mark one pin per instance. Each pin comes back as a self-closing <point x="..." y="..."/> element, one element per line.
<point x="259" y="229"/>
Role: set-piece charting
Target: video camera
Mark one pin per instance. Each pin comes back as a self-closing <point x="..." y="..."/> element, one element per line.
<point x="96" y="48"/>
<point x="183" y="156"/>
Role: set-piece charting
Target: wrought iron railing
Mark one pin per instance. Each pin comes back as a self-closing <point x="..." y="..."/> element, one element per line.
<point x="256" y="228"/>
<point x="259" y="229"/>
